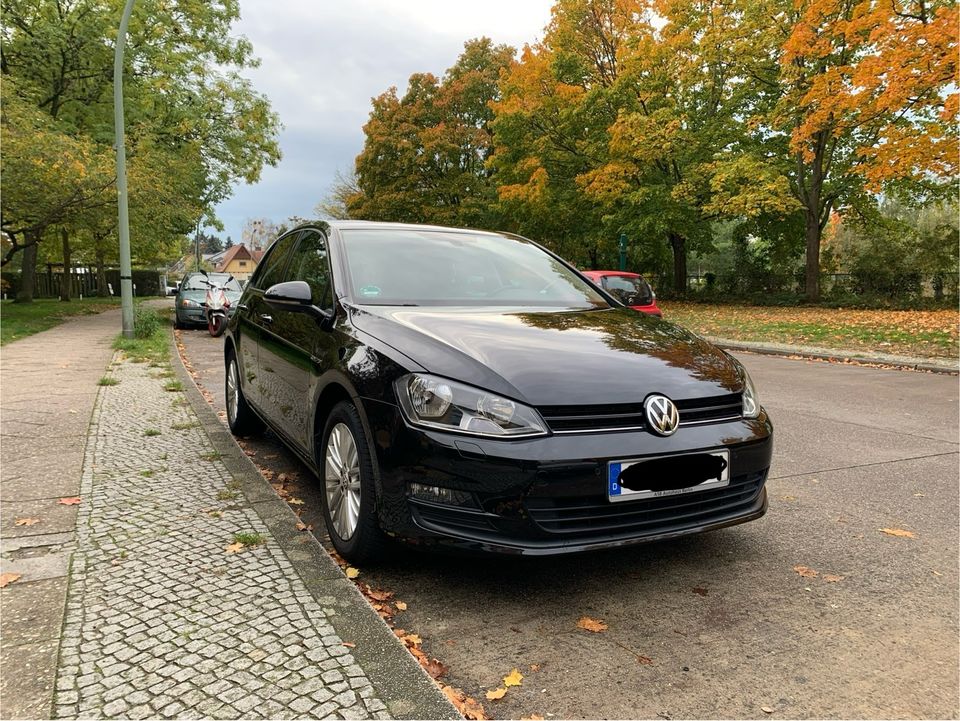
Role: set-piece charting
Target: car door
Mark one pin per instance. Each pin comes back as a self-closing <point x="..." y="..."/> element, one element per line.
<point x="295" y="348"/>
<point x="255" y="315"/>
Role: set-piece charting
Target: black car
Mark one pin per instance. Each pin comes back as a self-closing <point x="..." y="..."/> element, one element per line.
<point x="473" y="389"/>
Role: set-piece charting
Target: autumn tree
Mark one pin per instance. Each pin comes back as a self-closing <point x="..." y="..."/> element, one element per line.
<point x="424" y="155"/>
<point x="850" y="97"/>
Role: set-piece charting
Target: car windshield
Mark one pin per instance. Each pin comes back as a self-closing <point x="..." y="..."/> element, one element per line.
<point x="628" y="290"/>
<point x="198" y="282"/>
<point x="390" y="266"/>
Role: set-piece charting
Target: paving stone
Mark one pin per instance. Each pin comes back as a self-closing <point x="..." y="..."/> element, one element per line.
<point x="158" y="618"/>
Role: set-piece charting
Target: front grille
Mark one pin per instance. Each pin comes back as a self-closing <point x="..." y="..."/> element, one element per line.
<point x="630" y="416"/>
<point x="591" y="516"/>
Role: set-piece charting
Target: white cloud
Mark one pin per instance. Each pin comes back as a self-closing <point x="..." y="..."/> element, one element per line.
<point x="323" y="61"/>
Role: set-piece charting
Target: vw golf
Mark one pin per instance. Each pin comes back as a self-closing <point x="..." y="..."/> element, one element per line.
<point x="472" y="389"/>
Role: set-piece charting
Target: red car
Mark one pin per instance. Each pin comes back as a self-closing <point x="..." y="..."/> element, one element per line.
<point x="629" y="288"/>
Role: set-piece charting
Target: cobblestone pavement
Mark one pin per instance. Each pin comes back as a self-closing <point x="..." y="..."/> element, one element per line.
<point x="162" y="619"/>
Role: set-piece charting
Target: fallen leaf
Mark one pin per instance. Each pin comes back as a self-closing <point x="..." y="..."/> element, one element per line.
<point x="301" y="526"/>
<point x="412" y="639"/>
<point x="534" y="667"/>
<point x="69" y="501"/>
<point x="832" y="577"/>
<point x="7" y="578"/>
<point x="282" y="478"/>
<point x="234" y="548"/>
<point x="700" y="591"/>
<point x="766" y="709"/>
<point x="295" y="501"/>
<point x="532" y="717"/>
<point x="352" y="572"/>
<point x="936" y="573"/>
<point x="469" y="708"/>
<point x="26" y="521"/>
<point x="591" y="624"/>
<point x="434" y="668"/>
<point x="378" y="594"/>
<point x="348" y="644"/>
<point x="496" y="693"/>
<point x="401" y="606"/>
<point x="806" y="571"/>
<point x="899" y="532"/>
<point x="514" y="678"/>
<point x="919" y="495"/>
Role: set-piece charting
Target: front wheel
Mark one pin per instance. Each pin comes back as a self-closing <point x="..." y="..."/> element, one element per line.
<point x="349" y="497"/>
<point x="241" y="418"/>
<point x="216" y="324"/>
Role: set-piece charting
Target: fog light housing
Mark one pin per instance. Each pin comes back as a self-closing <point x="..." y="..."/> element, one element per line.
<point x="436" y="494"/>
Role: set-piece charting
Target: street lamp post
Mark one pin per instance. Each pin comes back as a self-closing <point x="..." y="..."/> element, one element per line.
<point x="623" y="251"/>
<point x="123" y="224"/>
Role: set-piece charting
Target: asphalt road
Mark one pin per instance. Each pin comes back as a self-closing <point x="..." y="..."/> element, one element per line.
<point x="721" y="625"/>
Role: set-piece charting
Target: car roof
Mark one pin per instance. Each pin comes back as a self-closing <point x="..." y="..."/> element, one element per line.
<point x="624" y="273"/>
<point x="382" y="225"/>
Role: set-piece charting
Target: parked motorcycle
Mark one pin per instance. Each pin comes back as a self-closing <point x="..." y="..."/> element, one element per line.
<point x="216" y="307"/>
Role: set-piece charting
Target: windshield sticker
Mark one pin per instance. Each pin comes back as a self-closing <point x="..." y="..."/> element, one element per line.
<point x="370" y="291"/>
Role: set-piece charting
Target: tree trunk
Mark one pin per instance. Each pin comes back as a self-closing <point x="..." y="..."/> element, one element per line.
<point x="102" y="290"/>
<point x="812" y="235"/>
<point x="28" y="270"/>
<point x="679" y="246"/>
<point x="66" y="278"/>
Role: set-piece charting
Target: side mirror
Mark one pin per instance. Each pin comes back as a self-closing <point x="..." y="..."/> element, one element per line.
<point x="295" y="296"/>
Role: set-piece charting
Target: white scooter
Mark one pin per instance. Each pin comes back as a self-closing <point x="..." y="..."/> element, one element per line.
<point x="216" y="307"/>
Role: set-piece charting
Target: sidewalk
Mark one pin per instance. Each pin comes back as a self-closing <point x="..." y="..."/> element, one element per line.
<point x="932" y="365"/>
<point x="191" y="594"/>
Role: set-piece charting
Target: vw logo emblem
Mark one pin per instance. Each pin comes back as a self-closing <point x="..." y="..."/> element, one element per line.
<point x="662" y="415"/>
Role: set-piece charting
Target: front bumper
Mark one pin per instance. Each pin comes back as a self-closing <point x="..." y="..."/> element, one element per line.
<point x="549" y="495"/>
<point x="197" y="314"/>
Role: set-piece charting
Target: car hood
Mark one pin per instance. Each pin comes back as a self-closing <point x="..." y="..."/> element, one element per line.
<point x="556" y="357"/>
<point x="199" y="296"/>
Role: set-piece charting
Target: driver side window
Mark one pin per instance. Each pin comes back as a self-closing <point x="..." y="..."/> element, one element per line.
<point x="271" y="272"/>
<point x="310" y="264"/>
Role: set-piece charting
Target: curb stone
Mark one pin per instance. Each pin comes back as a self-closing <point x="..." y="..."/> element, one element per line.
<point x="930" y="365"/>
<point x="401" y="683"/>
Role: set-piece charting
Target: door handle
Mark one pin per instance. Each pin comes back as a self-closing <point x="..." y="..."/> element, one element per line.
<point x="266" y="318"/>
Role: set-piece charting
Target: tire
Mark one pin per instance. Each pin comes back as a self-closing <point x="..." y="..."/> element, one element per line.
<point x="176" y="322"/>
<point x="352" y="524"/>
<point x="217" y="324"/>
<point x="240" y="416"/>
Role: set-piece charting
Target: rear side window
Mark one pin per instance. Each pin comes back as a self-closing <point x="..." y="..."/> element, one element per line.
<point x="271" y="270"/>
<point x="310" y="264"/>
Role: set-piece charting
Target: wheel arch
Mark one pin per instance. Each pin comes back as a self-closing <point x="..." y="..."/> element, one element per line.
<point x="336" y="389"/>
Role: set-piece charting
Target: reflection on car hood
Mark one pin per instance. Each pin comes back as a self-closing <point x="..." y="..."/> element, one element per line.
<point x="199" y="296"/>
<point x="556" y="357"/>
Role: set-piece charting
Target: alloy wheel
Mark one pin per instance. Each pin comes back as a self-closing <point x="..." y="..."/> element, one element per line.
<point x="342" y="480"/>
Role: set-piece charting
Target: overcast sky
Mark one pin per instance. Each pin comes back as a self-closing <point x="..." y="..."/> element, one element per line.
<point x="323" y="61"/>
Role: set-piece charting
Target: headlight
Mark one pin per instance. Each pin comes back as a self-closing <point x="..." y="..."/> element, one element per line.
<point x="439" y="403"/>
<point x="751" y="402"/>
<point x="187" y="303"/>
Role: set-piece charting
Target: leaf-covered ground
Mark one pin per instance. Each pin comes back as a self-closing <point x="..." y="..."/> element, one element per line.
<point x="927" y="333"/>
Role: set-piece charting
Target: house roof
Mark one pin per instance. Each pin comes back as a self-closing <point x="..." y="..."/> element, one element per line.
<point x="236" y="252"/>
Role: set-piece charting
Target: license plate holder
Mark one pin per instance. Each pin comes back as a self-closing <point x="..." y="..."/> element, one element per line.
<point x="711" y="467"/>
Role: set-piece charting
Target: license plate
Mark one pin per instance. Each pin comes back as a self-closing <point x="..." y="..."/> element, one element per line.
<point x="672" y="475"/>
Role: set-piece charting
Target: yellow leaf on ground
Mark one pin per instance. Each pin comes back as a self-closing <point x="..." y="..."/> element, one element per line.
<point x="806" y="571"/>
<point x="832" y="577"/>
<point x="496" y="693"/>
<point x="26" y="521"/>
<point x="899" y="532"/>
<point x="591" y="624"/>
<point x="401" y="606"/>
<point x="234" y="548"/>
<point x="766" y="709"/>
<point x="514" y="678"/>
<point x="295" y="502"/>
<point x="352" y="572"/>
<point x="8" y="578"/>
<point x="532" y="717"/>
<point x="413" y="639"/>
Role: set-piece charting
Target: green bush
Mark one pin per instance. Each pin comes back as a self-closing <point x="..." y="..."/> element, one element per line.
<point x="146" y="321"/>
